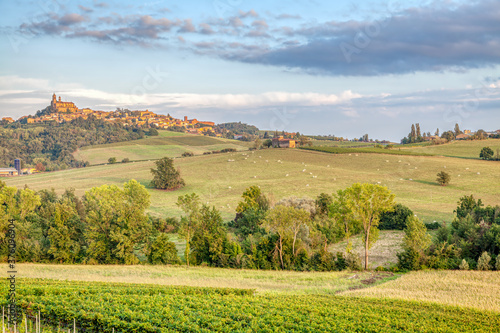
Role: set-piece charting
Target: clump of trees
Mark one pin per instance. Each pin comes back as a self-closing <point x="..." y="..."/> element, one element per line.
<point x="469" y="242"/>
<point x="108" y="225"/>
<point x="50" y="146"/>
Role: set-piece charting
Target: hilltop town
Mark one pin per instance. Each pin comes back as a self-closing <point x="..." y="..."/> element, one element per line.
<point x="61" y="111"/>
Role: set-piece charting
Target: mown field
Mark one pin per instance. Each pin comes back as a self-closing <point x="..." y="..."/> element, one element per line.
<point x="170" y="144"/>
<point x="220" y="181"/>
<point x="472" y="289"/>
<point x="97" y="300"/>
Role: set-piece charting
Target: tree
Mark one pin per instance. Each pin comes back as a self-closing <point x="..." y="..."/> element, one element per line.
<point x="486" y="153"/>
<point x="413" y="134"/>
<point x="449" y="135"/>
<point x="117" y="222"/>
<point x="257" y="143"/>
<point x="190" y="205"/>
<point x="209" y="238"/>
<point x="63" y="234"/>
<point x="437" y="132"/>
<point x="467" y="205"/>
<point x="304" y="140"/>
<point x="112" y="160"/>
<point x="162" y="251"/>
<point x="396" y="218"/>
<point x="341" y="211"/>
<point x="418" y="133"/>
<point x="483" y="263"/>
<point x="443" y="178"/>
<point x="323" y="202"/>
<point x="152" y="132"/>
<point x="267" y="143"/>
<point x="165" y="176"/>
<point x="285" y="221"/>
<point x="367" y="202"/>
<point x="457" y="130"/>
<point x="415" y="242"/>
<point x="252" y="198"/>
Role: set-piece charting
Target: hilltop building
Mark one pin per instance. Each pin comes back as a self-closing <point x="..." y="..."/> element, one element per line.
<point x="62" y="107"/>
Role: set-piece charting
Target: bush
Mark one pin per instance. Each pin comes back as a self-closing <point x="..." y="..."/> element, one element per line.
<point x="433" y="225"/>
<point x="187" y="154"/>
<point x="322" y="261"/>
<point x="207" y="152"/>
<point x="112" y="160"/>
<point x="353" y="261"/>
<point x="228" y="150"/>
<point x="152" y="132"/>
<point x="126" y="160"/>
<point x="464" y="266"/>
<point x="483" y="263"/>
<point x="497" y="264"/>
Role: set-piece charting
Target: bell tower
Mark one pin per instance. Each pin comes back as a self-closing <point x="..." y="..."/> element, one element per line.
<point x="54" y="101"/>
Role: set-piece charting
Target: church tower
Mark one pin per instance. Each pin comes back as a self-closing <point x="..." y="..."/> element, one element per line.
<point x="54" y="101"/>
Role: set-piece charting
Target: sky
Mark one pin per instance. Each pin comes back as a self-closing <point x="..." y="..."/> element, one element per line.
<point x="343" y="68"/>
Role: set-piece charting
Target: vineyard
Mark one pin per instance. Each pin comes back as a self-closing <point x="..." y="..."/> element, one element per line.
<point x="116" y="307"/>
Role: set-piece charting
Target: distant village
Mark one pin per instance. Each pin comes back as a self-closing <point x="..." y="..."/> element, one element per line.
<point x="61" y="111"/>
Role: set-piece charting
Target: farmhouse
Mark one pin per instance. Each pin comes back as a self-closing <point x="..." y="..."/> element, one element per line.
<point x="4" y="172"/>
<point x="463" y="136"/>
<point x="280" y="142"/>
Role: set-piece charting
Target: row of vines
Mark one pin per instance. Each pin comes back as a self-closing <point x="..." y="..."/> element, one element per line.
<point x="114" y="307"/>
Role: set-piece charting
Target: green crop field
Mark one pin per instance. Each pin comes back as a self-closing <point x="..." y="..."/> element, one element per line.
<point x="220" y="181"/>
<point x="138" y="307"/>
<point x="170" y="144"/>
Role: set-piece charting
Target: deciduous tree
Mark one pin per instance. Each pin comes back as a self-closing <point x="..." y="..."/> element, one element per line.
<point x="367" y="202"/>
<point x="165" y="176"/>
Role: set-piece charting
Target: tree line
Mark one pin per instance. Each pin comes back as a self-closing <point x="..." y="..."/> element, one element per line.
<point x="109" y="225"/>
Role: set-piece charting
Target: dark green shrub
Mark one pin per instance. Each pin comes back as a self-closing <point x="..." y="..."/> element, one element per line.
<point x="396" y="219"/>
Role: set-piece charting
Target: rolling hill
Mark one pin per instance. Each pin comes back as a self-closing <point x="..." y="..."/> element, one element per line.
<point x="220" y="179"/>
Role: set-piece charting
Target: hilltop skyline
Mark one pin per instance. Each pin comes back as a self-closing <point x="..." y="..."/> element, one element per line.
<point x="301" y="67"/>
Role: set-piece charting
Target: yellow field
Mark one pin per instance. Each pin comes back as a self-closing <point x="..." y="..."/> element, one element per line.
<point x="473" y="289"/>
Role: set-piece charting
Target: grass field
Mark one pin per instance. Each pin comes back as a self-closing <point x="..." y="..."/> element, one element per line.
<point x="382" y="253"/>
<point x="221" y="183"/>
<point x="461" y="149"/>
<point x="264" y="282"/>
<point x="170" y="144"/>
<point x="473" y="289"/>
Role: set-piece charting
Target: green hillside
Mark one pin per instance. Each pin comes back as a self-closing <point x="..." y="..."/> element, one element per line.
<point x="462" y="149"/>
<point x="284" y="172"/>
<point x="171" y="144"/>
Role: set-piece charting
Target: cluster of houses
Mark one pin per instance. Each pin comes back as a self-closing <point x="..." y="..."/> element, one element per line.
<point x="67" y="111"/>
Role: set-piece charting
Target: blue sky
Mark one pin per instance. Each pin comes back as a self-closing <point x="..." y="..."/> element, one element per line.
<point x="319" y="67"/>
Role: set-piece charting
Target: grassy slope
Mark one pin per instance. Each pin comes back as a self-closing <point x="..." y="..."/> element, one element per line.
<point x="220" y="183"/>
<point x="479" y="290"/>
<point x="382" y="253"/>
<point x="463" y="149"/>
<point x="171" y="144"/>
